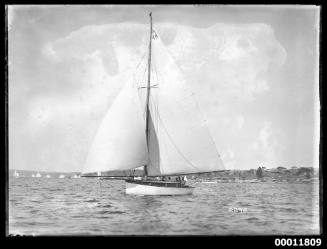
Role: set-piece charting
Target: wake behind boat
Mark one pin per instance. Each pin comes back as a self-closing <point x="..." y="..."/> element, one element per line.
<point x="157" y="125"/>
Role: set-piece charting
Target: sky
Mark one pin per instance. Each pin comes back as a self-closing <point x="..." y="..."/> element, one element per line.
<point x="254" y="71"/>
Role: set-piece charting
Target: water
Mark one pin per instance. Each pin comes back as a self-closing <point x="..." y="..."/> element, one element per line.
<point x="40" y="206"/>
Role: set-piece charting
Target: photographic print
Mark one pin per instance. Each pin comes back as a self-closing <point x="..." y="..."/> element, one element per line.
<point x="163" y="120"/>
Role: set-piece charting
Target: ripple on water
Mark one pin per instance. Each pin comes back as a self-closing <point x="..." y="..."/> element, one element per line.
<point x="91" y="200"/>
<point x="110" y="212"/>
<point x="87" y="207"/>
<point x="106" y="206"/>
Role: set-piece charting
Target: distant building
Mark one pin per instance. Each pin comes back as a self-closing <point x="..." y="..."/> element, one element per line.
<point x="308" y="172"/>
<point x="259" y="172"/>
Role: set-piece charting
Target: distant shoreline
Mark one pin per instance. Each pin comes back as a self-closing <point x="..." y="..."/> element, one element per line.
<point x="279" y="174"/>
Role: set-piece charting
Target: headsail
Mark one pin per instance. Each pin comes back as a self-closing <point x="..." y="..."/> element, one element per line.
<point x="120" y="143"/>
<point x="179" y="140"/>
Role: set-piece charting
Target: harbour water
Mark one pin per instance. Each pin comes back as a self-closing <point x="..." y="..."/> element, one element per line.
<point x="89" y="206"/>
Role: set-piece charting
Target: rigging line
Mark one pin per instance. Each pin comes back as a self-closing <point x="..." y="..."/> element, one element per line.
<point x="171" y="140"/>
<point x="166" y="150"/>
<point x="155" y="70"/>
<point x="141" y="60"/>
<point x="142" y="77"/>
<point x="144" y="113"/>
<point x="144" y="74"/>
<point x="207" y="128"/>
<point x="138" y="65"/>
<point x="158" y="72"/>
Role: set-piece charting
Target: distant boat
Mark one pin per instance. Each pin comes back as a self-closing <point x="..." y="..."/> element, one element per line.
<point x="38" y="175"/>
<point x="48" y="176"/>
<point x="16" y="174"/>
<point x="33" y="175"/>
<point x="209" y="182"/>
<point x="252" y="180"/>
<point x="170" y="141"/>
<point x="76" y="176"/>
<point x="61" y="176"/>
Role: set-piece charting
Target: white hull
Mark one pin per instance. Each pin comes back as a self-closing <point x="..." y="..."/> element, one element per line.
<point x="140" y="189"/>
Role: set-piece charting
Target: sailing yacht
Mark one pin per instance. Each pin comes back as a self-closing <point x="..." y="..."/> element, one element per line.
<point x="48" y="176"/>
<point x="156" y="124"/>
<point x="16" y="174"/>
<point x="38" y="175"/>
<point x="62" y="176"/>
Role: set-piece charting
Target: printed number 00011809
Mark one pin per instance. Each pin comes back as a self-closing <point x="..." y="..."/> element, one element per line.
<point x="298" y="242"/>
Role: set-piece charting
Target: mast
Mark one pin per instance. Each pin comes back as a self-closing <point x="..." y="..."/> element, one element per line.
<point x="148" y="94"/>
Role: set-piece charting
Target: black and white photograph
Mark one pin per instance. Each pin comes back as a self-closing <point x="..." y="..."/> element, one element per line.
<point x="173" y="120"/>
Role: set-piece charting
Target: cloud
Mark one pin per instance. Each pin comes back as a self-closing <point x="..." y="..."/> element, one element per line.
<point x="49" y="52"/>
<point x="87" y="68"/>
<point x="269" y="145"/>
<point x="228" y="158"/>
<point x="240" y="121"/>
<point x="232" y="59"/>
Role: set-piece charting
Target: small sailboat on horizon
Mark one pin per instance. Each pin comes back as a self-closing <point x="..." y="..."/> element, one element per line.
<point x="38" y="175"/>
<point x="157" y="125"/>
<point x="61" y="176"/>
<point x="48" y="176"/>
<point x="16" y="174"/>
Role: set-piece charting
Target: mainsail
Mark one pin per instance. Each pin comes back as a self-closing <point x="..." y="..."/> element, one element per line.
<point x="178" y="142"/>
<point x="120" y="142"/>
